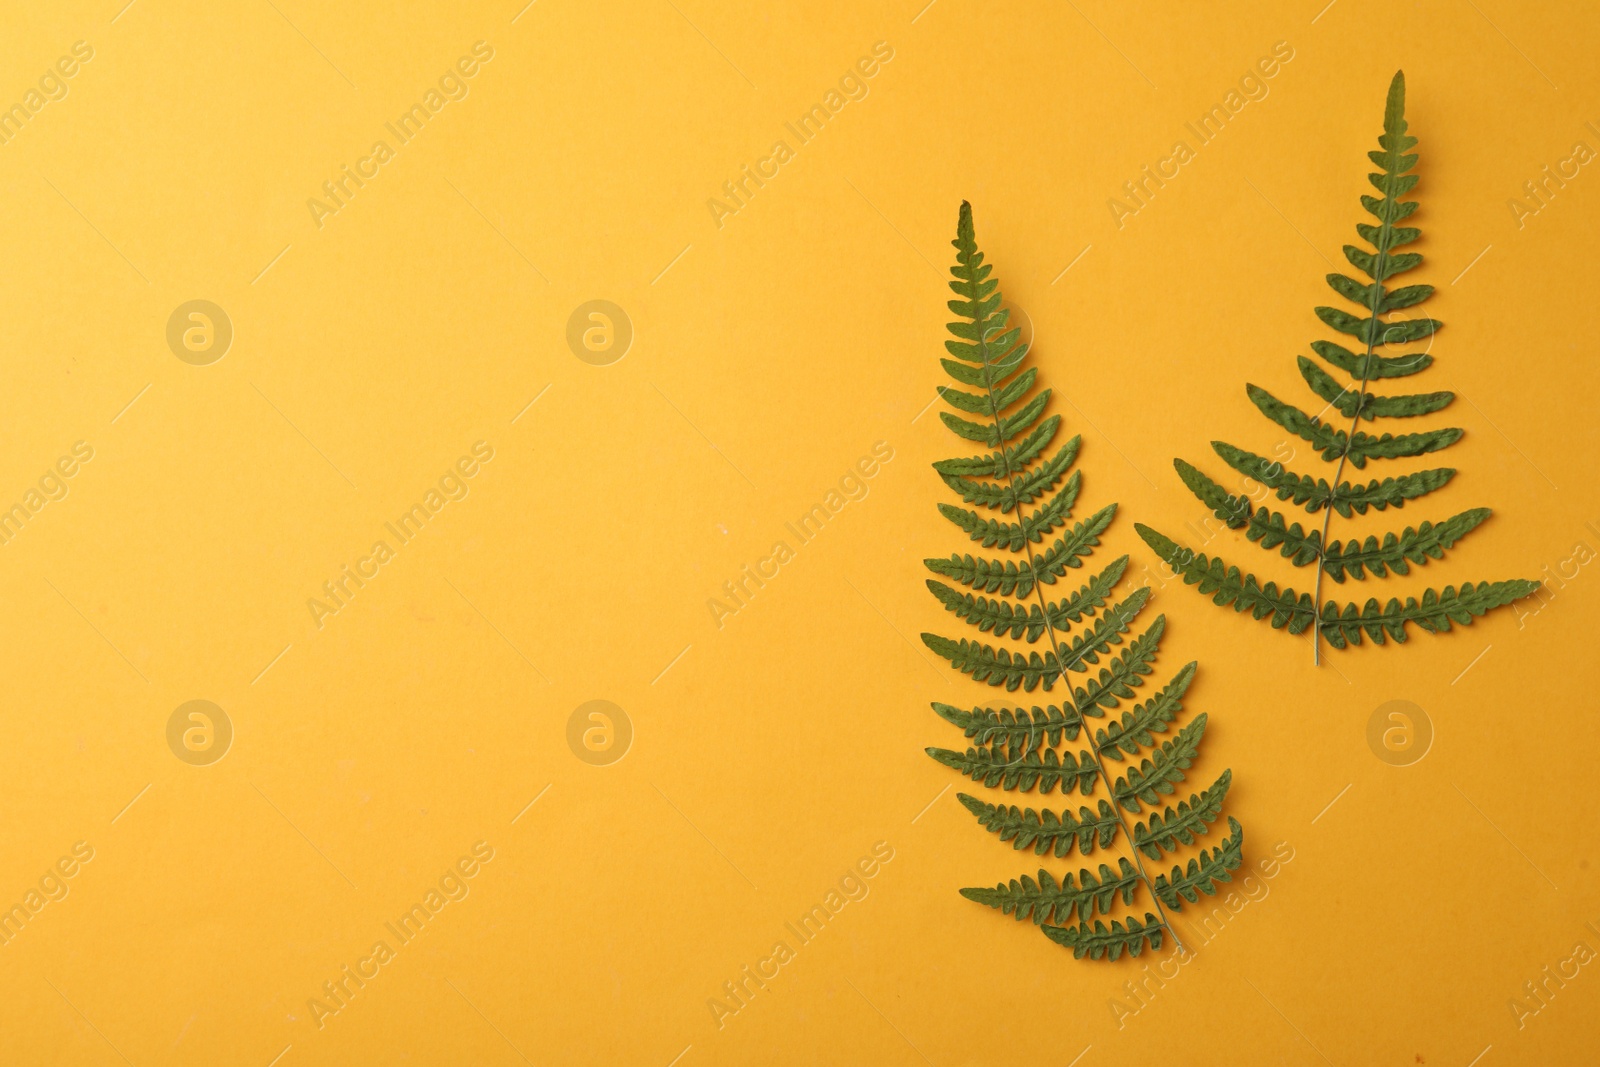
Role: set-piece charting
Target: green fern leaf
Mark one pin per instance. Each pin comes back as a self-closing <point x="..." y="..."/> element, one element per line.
<point x="1332" y="443"/>
<point x="1374" y="367"/>
<point x="1373" y="326"/>
<point x="1227" y="585"/>
<point x="1434" y="612"/>
<point x="1233" y="510"/>
<point x="1033" y="527"/>
<point x="1011" y="768"/>
<point x="1026" y="490"/>
<point x="1050" y="901"/>
<point x="1390" y="492"/>
<point x="1002" y="617"/>
<point x="1118" y="679"/>
<point x="996" y="464"/>
<point x="1272" y="530"/>
<point x="1089" y="640"/>
<point x="997" y="666"/>
<point x="1397" y="552"/>
<point x="1205" y="872"/>
<point x="1132" y="733"/>
<point x="1109" y="941"/>
<point x="1017" y="579"/>
<point x="1158" y="775"/>
<point x="1182" y="825"/>
<point x="1047" y="831"/>
<point x="1018" y="727"/>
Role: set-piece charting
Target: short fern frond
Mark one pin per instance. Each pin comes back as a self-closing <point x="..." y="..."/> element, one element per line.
<point x="1373" y="327"/>
<point x="1092" y="641"/>
<point x="1130" y="936"/>
<point x="1050" y="901"/>
<point x="1047" y="831"/>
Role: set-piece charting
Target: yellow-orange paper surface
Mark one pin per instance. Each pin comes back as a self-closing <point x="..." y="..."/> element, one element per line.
<point x="396" y="217"/>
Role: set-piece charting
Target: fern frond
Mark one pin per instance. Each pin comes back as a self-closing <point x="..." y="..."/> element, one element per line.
<point x="1047" y="831"/>
<point x="1017" y="579"/>
<point x="1049" y="901"/>
<point x="1271" y="529"/>
<point x="1359" y="447"/>
<point x="996" y="464"/>
<point x="1109" y="941"/>
<point x="1002" y="431"/>
<point x="997" y="401"/>
<point x="1233" y="510"/>
<point x="1132" y="733"/>
<point x="1373" y="325"/>
<point x="1117" y="680"/>
<point x="997" y="666"/>
<point x="1301" y="488"/>
<point x="1228" y="585"/>
<point x="1089" y="640"/>
<point x="1018" y="727"/>
<point x="1416" y="545"/>
<point x="1372" y="367"/>
<point x="1107" y="630"/>
<point x="1390" y="492"/>
<point x="1182" y="825"/>
<point x="1033" y="527"/>
<point x="1357" y="403"/>
<point x="1006" y="497"/>
<point x="1012" y="768"/>
<point x="1433" y="613"/>
<point x="1158" y="775"/>
<point x="1003" y="617"/>
<point x="1204" y="873"/>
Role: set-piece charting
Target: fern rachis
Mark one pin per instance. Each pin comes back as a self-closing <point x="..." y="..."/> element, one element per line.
<point x="1036" y="749"/>
<point x="1351" y="447"/>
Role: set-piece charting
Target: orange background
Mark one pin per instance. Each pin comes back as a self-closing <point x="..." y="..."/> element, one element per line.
<point x="769" y="354"/>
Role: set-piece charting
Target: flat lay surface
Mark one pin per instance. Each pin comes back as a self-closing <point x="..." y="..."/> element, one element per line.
<point x="469" y="482"/>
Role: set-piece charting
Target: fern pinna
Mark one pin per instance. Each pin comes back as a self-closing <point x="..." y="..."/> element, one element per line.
<point x="1074" y="745"/>
<point x="1344" y="625"/>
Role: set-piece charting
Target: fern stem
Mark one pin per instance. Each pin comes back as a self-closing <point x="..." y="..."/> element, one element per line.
<point x="1044" y="608"/>
<point x="1338" y="472"/>
<point x="1385" y="235"/>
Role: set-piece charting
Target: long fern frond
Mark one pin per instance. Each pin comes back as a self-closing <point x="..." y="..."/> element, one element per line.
<point x="1125" y="756"/>
<point x="1372" y="327"/>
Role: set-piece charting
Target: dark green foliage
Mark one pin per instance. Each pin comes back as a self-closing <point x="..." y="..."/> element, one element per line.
<point x="1372" y="328"/>
<point x="1128" y="757"/>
